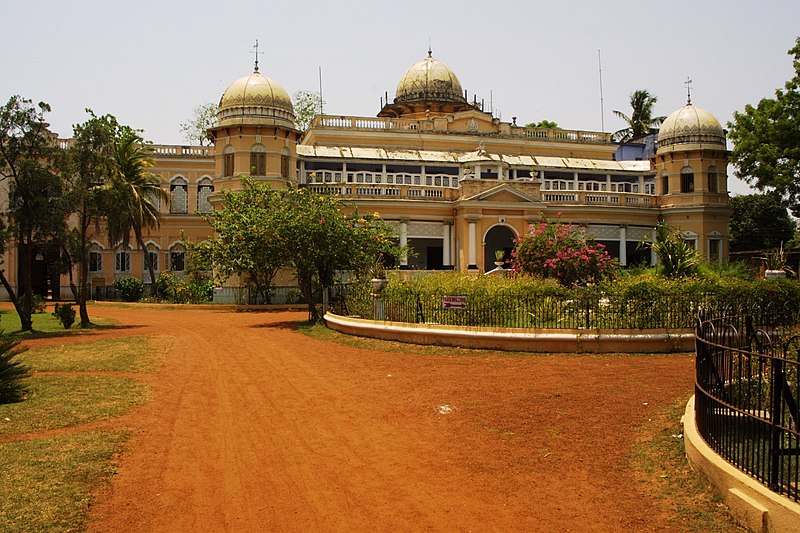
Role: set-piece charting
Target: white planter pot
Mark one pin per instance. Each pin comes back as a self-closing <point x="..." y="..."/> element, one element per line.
<point x="774" y="274"/>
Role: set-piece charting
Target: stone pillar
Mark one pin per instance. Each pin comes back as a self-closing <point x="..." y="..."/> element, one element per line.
<point x="446" y="261"/>
<point x="623" y="249"/>
<point x="403" y="242"/>
<point x="574" y="181"/>
<point x="608" y="182"/>
<point x="302" y="177"/>
<point x="383" y="173"/>
<point x="473" y="245"/>
<point x="477" y="171"/>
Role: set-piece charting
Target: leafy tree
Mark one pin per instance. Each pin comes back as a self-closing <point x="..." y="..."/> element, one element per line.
<point x="248" y="241"/>
<point x="759" y="222"/>
<point x="34" y="212"/>
<point x="307" y="105"/>
<point x="766" y="140"/>
<point x="641" y="122"/>
<point x="134" y="195"/>
<point x="543" y="124"/>
<point x="89" y="165"/>
<point x="561" y="251"/>
<point x="203" y="117"/>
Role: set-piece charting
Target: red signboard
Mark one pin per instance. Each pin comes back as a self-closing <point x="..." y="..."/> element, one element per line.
<point x="454" y="302"/>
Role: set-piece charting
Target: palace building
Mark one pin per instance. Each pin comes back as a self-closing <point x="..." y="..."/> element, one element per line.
<point x="456" y="183"/>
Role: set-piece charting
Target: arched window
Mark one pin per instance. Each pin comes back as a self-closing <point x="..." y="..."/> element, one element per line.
<point x="179" y="196"/>
<point x="152" y="254"/>
<point x="713" y="180"/>
<point x="122" y="260"/>
<point x="687" y="179"/>
<point x="258" y="160"/>
<point x="227" y="161"/>
<point x="177" y="258"/>
<point x="665" y="183"/>
<point x="95" y="259"/>
<point x="204" y="190"/>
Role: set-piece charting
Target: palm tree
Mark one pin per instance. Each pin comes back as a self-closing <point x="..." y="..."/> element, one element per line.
<point x="134" y="193"/>
<point x="641" y="122"/>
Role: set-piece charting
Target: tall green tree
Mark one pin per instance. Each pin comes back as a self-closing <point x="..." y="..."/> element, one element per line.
<point x="34" y="212"/>
<point x="641" y="121"/>
<point x="759" y="222"/>
<point x="766" y="140"/>
<point x="135" y="194"/>
<point x="307" y="105"/>
<point x="247" y="241"/>
<point x="90" y="164"/>
<point x="195" y="129"/>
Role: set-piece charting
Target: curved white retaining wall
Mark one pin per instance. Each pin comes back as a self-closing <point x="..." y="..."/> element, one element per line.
<point x="523" y="340"/>
<point x="750" y="502"/>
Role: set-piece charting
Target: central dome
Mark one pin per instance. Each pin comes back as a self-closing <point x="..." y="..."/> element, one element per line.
<point x="429" y="79"/>
<point x="690" y="125"/>
<point x="255" y="99"/>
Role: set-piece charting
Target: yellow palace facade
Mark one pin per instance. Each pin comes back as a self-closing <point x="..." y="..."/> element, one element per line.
<point x="456" y="183"/>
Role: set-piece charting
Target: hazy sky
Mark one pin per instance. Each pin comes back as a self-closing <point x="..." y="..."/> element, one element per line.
<point x="151" y="62"/>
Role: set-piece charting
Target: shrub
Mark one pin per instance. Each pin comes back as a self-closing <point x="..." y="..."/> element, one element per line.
<point x="166" y="285"/>
<point x="129" y="288"/>
<point x="65" y="314"/>
<point x="12" y="373"/>
<point x="678" y="257"/>
<point x="37" y="304"/>
<point x="200" y="290"/>
<point x="564" y="252"/>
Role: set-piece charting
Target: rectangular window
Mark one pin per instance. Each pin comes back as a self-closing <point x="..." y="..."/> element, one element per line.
<point x="177" y="261"/>
<point x="714" y="249"/>
<point x="713" y="183"/>
<point x="687" y="182"/>
<point x="227" y="161"/>
<point x="285" y="166"/>
<point x="153" y="260"/>
<point x="95" y="262"/>
<point x="122" y="262"/>
<point x="664" y="184"/>
<point x="258" y="164"/>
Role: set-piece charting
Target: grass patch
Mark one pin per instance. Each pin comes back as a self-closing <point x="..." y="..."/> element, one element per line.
<point x="46" y="484"/>
<point x="660" y="462"/>
<point x="126" y="354"/>
<point x="58" y="401"/>
<point x="45" y="325"/>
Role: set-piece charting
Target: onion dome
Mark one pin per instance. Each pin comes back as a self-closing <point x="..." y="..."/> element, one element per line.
<point x="429" y="79"/>
<point x="690" y="125"/>
<point x="255" y="99"/>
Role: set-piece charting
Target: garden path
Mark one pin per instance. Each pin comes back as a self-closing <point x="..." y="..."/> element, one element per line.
<point x="255" y="427"/>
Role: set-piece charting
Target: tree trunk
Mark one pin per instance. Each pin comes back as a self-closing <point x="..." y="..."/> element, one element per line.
<point x="153" y="286"/>
<point x="13" y="295"/>
<point x="26" y="251"/>
<point x="82" y="293"/>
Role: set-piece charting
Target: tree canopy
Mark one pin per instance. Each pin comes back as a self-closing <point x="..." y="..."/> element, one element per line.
<point x="766" y="140"/>
<point x="641" y="122"/>
<point x="307" y="104"/>
<point x="260" y="230"/>
<point x="549" y="124"/>
<point x="203" y="117"/>
<point x="759" y="222"/>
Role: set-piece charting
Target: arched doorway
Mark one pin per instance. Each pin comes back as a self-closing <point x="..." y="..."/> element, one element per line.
<point x="498" y="237"/>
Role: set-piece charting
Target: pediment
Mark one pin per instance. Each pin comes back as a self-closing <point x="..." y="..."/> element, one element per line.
<point x="503" y="193"/>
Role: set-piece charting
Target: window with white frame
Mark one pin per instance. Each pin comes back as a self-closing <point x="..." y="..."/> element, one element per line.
<point x="179" y="196"/>
<point x="177" y="260"/>
<point x="95" y="261"/>
<point x="122" y="261"/>
<point x="153" y="260"/>
<point x="204" y="191"/>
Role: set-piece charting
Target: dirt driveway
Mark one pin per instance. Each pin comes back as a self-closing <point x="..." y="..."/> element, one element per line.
<point x="255" y="427"/>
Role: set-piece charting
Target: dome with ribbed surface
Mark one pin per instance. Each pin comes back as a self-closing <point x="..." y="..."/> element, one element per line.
<point x="429" y="79"/>
<point x="690" y="125"/>
<point x="255" y="99"/>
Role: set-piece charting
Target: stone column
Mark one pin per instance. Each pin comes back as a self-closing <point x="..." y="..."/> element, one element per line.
<point x="623" y="249"/>
<point x="574" y="181"/>
<point x="403" y="242"/>
<point x="446" y="261"/>
<point x="473" y="245"/>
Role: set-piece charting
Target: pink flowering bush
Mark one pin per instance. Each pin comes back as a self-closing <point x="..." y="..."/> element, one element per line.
<point x="563" y="252"/>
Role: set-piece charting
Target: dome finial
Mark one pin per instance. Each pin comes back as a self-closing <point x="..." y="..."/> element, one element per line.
<point x="256" y="52"/>
<point x="430" y="54"/>
<point x="688" y="84"/>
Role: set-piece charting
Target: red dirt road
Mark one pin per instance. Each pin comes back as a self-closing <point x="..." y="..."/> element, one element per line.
<point x="255" y="427"/>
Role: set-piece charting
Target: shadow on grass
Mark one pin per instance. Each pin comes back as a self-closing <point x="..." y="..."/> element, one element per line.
<point x="283" y="324"/>
<point x="74" y="331"/>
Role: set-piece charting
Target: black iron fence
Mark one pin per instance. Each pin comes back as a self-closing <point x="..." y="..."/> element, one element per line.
<point x="747" y="391"/>
<point x="510" y="308"/>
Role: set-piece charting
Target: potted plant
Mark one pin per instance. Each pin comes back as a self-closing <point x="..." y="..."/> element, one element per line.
<point x="775" y="262"/>
<point x="378" y="274"/>
<point x="498" y="258"/>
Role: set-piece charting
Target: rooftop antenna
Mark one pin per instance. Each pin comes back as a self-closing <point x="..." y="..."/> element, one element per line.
<point x="688" y="84"/>
<point x="602" y="109"/>
<point x="256" y="52"/>
<point x="320" y="89"/>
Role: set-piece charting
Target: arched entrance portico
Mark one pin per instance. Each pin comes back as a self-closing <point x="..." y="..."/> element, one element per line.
<point x="498" y="237"/>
